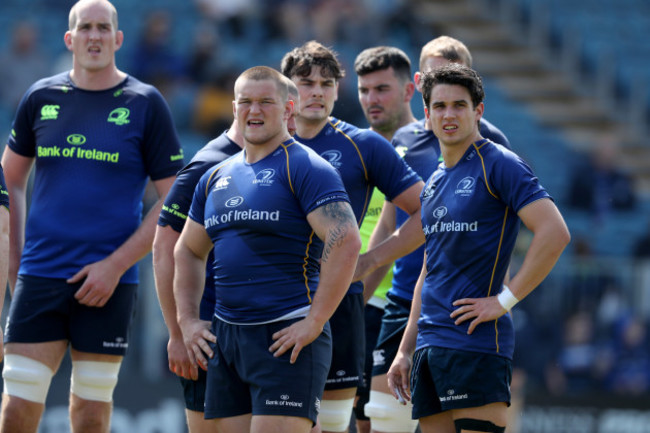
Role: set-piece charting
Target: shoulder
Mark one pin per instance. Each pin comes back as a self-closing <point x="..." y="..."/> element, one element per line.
<point x="413" y="128"/>
<point x="138" y="88"/>
<point x="55" y="82"/>
<point x="488" y="130"/>
<point x="360" y="136"/>
<point x="216" y="150"/>
<point x="492" y="151"/>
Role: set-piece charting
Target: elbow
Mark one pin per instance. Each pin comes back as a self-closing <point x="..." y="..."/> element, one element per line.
<point x="157" y="249"/>
<point x="353" y="242"/>
<point x="561" y="238"/>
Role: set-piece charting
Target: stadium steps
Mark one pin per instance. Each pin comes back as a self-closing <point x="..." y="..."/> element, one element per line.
<point x="532" y="75"/>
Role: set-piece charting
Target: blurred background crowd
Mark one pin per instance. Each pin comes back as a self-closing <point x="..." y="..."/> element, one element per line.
<point x="567" y="81"/>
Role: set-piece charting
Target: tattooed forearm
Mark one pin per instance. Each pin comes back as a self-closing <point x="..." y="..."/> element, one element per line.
<point x="341" y="221"/>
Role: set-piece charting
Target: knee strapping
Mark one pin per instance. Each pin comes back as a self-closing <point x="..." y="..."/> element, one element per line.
<point x="26" y="378"/>
<point x="335" y="415"/>
<point x="94" y="380"/>
<point x="477" y="425"/>
<point x="388" y="415"/>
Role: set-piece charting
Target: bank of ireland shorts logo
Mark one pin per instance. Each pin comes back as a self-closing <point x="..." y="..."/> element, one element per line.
<point x="119" y="116"/>
<point x="333" y="157"/>
<point x="264" y="177"/>
<point x="465" y="186"/>
<point x="76" y="139"/>
<point x="234" y="201"/>
<point x="50" y="112"/>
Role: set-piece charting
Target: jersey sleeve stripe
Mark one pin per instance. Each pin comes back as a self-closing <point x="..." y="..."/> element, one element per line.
<point x="286" y="153"/>
<point x="485" y="177"/>
<point x="496" y="261"/>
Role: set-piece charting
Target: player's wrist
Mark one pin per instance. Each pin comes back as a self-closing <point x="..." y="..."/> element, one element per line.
<point x="507" y="299"/>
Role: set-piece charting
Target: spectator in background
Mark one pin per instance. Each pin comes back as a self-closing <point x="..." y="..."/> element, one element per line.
<point x="23" y="63"/>
<point x="573" y="369"/>
<point x="206" y="58"/>
<point x="230" y="16"/>
<point x="628" y="361"/>
<point x="154" y="60"/>
<point x="598" y="184"/>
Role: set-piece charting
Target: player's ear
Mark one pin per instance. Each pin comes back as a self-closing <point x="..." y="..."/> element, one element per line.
<point x="410" y="91"/>
<point x="67" y="40"/>
<point x="417" y="78"/>
<point x="119" y="39"/>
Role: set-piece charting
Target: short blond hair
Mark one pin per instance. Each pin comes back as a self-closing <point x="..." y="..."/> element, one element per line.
<point x="72" y="17"/>
<point x="447" y="47"/>
<point x="261" y="73"/>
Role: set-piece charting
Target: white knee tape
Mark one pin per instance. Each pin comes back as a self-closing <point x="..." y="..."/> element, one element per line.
<point x="26" y="378"/>
<point x="94" y="380"/>
<point x="335" y="415"/>
<point x="388" y="415"/>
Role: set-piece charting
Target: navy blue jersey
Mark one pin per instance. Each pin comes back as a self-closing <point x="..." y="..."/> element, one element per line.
<point x="94" y="151"/>
<point x="265" y="251"/>
<point x="365" y="160"/>
<point x="4" y="194"/>
<point x="470" y="222"/>
<point x="421" y="150"/>
<point x="178" y="201"/>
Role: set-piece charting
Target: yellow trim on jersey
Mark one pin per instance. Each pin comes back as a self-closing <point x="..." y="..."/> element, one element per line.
<point x="503" y="229"/>
<point x="207" y="184"/>
<point x="365" y="170"/>
<point x="478" y="152"/>
<point x="496" y="260"/>
<point x="311" y="236"/>
<point x="286" y="152"/>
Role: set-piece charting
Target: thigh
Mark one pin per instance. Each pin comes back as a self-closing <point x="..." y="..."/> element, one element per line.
<point x="439" y="423"/>
<point x="236" y="424"/>
<point x="49" y="353"/>
<point x="493" y="412"/>
<point x="104" y="330"/>
<point x="39" y="311"/>
<point x="348" y="344"/>
<point x="279" y="424"/>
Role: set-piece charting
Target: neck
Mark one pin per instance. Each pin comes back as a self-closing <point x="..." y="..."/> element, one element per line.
<point x="309" y="128"/>
<point x="96" y="80"/>
<point x="452" y="153"/>
<point x="257" y="152"/>
<point x="406" y="118"/>
<point x="235" y="135"/>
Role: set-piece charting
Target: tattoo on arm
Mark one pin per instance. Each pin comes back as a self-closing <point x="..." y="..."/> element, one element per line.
<point x="341" y="220"/>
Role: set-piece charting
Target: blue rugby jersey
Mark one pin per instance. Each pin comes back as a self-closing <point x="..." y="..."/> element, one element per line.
<point x="178" y="201"/>
<point x="469" y="218"/>
<point x="365" y="160"/>
<point x="421" y="150"/>
<point x="94" y="151"/>
<point x="265" y="252"/>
